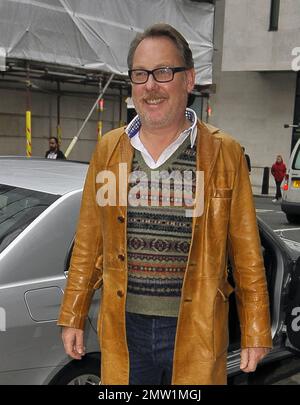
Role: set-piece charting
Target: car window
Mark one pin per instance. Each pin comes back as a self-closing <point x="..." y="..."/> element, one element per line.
<point x="296" y="162"/>
<point x="69" y="256"/>
<point x="18" y="208"/>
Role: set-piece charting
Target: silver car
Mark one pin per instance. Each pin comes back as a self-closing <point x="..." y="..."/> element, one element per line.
<point x="39" y="206"/>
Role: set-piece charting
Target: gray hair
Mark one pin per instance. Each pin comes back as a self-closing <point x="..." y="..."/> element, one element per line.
<point x="163" y="30"/>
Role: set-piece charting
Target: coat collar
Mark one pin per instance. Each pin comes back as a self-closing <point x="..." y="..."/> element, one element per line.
<point x="208" y="147"/>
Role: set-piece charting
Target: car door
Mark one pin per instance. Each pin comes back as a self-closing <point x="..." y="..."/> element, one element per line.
<point x="278" y="266"/>
<point x="293" y="310"/>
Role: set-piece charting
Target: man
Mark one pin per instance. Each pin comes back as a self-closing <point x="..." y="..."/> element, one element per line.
<point x="163" y="316"/>
<point x="54" y="152"/>
<point x="247" y="157"/>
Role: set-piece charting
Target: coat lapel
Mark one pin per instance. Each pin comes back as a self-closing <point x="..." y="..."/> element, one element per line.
<point x="208" y="148"/>
<point x="126" y="151"/>
<point x="126" y="157"/>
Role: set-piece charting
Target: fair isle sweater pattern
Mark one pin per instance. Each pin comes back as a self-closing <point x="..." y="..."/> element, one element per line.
<point x="159" y="235"/>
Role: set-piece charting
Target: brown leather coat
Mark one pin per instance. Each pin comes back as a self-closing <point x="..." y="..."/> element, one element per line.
<point x="228" y="222"/>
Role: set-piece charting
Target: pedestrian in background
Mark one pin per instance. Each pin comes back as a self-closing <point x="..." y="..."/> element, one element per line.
<point x="54" y="152"/>
<point x="247" y="157"/>
<point x="278" y="170"/>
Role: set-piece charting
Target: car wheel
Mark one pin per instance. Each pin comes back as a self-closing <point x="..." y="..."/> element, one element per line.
<point x="82" y="372"/>
<point x="293" y="219"/>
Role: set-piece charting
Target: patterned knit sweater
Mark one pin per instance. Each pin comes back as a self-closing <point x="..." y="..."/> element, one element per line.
<point x="159" y="232"/>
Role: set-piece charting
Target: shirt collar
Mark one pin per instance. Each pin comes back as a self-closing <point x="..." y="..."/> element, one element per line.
<point x="133" y="128"/>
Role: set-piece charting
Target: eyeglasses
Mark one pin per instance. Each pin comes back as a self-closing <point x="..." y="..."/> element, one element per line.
<point x="161" y="75"/>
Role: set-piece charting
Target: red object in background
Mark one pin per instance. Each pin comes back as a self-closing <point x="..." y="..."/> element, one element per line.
<point x="286" y="183"/>
<point x="209" y="110"/>
<point x="101" y="104"/>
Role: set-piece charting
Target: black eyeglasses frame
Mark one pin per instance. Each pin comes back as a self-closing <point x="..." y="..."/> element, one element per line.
<point x="152" y="72"/>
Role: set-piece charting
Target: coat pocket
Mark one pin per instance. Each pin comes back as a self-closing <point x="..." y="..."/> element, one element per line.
<point x="218" y="217"/>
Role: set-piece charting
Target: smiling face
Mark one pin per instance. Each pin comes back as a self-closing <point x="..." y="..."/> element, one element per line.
<point x="161" y="105"/>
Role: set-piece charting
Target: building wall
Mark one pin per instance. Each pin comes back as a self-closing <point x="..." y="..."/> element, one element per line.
<point x="248" y="43"/>
<point x="74" y="110"/>
<point x="252" y="106"/>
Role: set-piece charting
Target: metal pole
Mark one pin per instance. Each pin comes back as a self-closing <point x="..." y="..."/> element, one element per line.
<point x="207" y="109"/>
<point x="58" y="128"/>
<point x="100" y="116"/>
<point x="120" y="107"/>
<point x="76" y="137"/>
<point x="100" y="111"/>
<point x="28" y="116"/>
<point x="265" y="182"/>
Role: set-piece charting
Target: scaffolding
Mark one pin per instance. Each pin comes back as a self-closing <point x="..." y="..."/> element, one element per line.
<point x="85" y="42"/>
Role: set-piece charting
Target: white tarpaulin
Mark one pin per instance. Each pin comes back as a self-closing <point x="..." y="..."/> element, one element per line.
<point x="95" y="34"/>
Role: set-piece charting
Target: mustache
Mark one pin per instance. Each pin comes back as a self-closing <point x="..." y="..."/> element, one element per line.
<point x="152" y="96"/>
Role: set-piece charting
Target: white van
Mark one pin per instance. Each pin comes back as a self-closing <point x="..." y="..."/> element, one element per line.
<point x="291" y="187"/>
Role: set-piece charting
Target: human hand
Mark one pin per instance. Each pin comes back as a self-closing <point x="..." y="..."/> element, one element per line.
<point x="73" y="342"/>
<point x="250" y="357"/>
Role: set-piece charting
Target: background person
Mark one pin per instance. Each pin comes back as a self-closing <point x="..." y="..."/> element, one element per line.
<point x="54" y="152"/>
<point x="247" y="157"/>
<point x="278" y="171"/>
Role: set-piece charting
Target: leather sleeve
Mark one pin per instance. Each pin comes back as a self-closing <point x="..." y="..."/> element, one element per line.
<point x="85" y="272"/>
<point x="248" y="267"/>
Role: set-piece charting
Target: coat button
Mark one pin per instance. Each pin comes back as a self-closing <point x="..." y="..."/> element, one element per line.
<point x="120" y="294"/>
<point x="121" y="219"/>
<point x="121" y="257"/>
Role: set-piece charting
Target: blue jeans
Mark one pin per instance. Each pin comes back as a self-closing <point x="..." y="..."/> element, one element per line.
<point x="150" y="341"/>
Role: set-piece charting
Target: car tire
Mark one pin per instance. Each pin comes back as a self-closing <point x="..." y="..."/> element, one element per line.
<point x="82" y="372"/>
<point x="293" y="219"/>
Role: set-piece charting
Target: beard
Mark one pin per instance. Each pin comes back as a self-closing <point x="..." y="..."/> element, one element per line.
<point x="147" y="118"/>
<point x="158" y="119"/>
